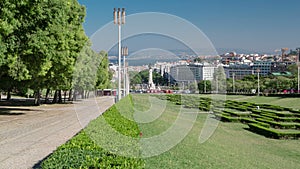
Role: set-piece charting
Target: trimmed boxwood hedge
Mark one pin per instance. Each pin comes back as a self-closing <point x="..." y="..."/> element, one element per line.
<point x="226" y="118"/>
<point x="269" y="117"/>
<point x="272" y="133"/>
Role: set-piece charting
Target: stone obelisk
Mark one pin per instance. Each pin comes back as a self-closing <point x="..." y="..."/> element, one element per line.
<point x="151" y="85"/>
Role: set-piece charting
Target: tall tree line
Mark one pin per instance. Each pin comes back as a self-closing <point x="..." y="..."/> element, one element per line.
<point x="40" y="43"/>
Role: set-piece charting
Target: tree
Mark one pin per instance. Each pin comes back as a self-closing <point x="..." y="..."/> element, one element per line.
<point x="293" y="69"/>
<point x="85" y="73"/>
<point x="219" y="80"/>
<point x="204" y="86"/>
<point x="42" y="40"/>
<point x="140" y="78"/>
<point x="12" y="67"/>
<point x="229" y="85"/>
<point x="103" y="74"/>
<point x="135" y="78"/>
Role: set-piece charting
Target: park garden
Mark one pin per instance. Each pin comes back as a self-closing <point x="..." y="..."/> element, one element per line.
<point x="45" y="52"/>
<point x="246" y="137"/>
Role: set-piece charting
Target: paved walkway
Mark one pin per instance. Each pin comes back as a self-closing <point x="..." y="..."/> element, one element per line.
<point x="29" y="134"/>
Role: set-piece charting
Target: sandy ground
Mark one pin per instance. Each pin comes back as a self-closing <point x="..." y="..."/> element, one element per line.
<point x="29" y="134"/>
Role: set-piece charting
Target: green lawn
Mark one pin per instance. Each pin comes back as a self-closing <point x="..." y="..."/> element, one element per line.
<point x="231" y="146"/>
<point x="280" y="101"/>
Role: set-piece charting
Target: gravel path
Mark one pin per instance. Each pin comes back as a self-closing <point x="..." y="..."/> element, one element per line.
<point x="29" y="134"/>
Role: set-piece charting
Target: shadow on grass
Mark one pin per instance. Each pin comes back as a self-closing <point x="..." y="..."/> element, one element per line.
<point x="17" y="102"/>
<point x="10" y="111"/>
<point x="253" y="132"/>
<point x="29" y="102"/>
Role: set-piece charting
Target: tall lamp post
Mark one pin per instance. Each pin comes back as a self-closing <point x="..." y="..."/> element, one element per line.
<point x="233" y="85"/>
<point x="204" y="85"/>
<point x="298" y="66"/>
<point x="119" y="19"/>
<point x="258" y="91"/>
<point x="124" y="53"/>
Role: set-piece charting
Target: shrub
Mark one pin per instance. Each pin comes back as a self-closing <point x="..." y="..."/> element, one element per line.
<point x="248" y="120"/>
<point x="82" y="152"/>
<point x="226" y="118"/>
<point x="272" y="133"/>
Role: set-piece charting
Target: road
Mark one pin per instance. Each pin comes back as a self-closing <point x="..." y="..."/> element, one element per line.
<point x="29" y="134"/>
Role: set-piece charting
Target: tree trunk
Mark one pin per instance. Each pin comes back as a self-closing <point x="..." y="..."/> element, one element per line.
<point x="82" y="94"/>
<point x="47" y="96"/>
<point x="65" y="95"/>
<point x="70" y="95"/>
<point x="37" y="97"/>
<point x="86" y="95"/>
<point x="55" y="97"/>
<point x="8" y="94"/>
<point x="59" y="96"/>
<point x="74" y="95"/>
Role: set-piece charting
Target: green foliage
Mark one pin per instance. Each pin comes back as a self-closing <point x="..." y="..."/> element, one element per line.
<point x="40" y="43"/>
<point x="103" y="74"/>
<point x="121" y="124"/>
<point x="268" y="84"/>
<point x="268" y="116"/>
<point x="204" y="86"/>
<point x="143" y="77"/>
<point x="82" y="151"/>
<point x="226" y="118"/>
<point x="272" y="133"/>
<point x="219" y="81"/>
<point x="293" y="69"/>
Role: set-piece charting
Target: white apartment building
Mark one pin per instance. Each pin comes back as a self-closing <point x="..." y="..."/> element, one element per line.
<point x="191" y="73"/>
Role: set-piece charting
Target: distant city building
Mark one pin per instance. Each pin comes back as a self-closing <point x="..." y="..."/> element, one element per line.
<point x="191" y="73"/>
<point x="208" y="72"/>
<point x="264" y="67"/>
<point x="238" y="71"/>
<point x="280" y="66"/>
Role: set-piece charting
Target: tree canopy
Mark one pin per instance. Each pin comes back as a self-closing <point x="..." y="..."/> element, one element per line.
<point x="41" y="41"/>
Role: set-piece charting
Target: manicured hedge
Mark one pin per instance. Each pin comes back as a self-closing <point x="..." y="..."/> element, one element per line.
<point x="248" y="120"/>
<point x="270" y="117"/>
<point x="237" y="114"/>
<point x="82" y="152"/>
<point x="255" y="115"/>
<point x="226" y="118"/>
<point x="272" y="133"/>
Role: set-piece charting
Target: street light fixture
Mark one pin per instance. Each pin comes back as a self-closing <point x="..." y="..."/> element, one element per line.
<point x="233" y="85"/>
<point x="119" y="18"/>
<point x="298" y="66"/>
<point x="258" y="70"/>
<point x="204" y="85"/>
<point x="124" y="53"/>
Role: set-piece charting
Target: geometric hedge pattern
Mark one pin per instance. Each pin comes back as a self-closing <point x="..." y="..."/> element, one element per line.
<point x="268" y="120"/>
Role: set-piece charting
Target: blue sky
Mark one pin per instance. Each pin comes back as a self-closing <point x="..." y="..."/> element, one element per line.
<point x="254" y="25"/>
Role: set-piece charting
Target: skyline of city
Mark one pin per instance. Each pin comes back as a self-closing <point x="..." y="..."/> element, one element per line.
<point x="256" y="26"/>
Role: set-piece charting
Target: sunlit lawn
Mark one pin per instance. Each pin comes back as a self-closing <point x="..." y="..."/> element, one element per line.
<point x="280" y="101"/>
<point x="231" y="146"/>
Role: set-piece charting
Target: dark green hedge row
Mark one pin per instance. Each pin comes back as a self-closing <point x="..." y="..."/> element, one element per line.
<point x="272" y="133"/>
<point x="280" y="114"/>
<point x="264" y="115"/>
<point x="281" y="119"/>
<point x="226" y="118"/>
<point x="250" y="120"/>
<point x="237" y="114"/>
<point x="280" y="125"/>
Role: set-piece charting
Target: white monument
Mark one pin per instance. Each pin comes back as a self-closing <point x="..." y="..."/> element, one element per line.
<point x="151" y="85"/>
